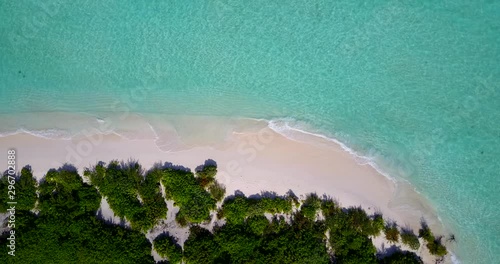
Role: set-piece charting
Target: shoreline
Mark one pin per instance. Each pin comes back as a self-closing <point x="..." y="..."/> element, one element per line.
<point x="251" y="158"/>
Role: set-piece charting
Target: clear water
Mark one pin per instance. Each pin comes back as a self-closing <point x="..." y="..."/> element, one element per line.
<point x="413" y="84"/>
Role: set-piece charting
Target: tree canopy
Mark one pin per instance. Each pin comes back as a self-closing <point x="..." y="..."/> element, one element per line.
<point x="66" y="229"/>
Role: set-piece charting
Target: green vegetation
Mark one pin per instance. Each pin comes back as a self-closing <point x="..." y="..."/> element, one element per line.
<point x="410" y="239"/>
<point x="349" y="230"/>
<point x="433" y="244"/>
<point x="4" y="197"/>
<point x="391" y="232"/>
<point x="130" y="194"/>
<point x="301" y="241"/>
<point x="258" y="240"/>
<point x="425" y="233"/>
<point x="66" y="229"/>
<point x="311" y="206"/>
<point x="265" y="228"/>
<point x="194" y="201"/>
<point x="205" y="174"/>
<point x="377" y="224"/>
<point x="436" y="248"/>
<point x="217" y="191"/>
<point x="201" y="247"/>
<point x="257" y="224"/>
<point x="167" y="247"/>
<point x="24" y="191"/>
<point x="236" y="209"/>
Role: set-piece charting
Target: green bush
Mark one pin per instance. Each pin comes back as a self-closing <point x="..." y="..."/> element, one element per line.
<point x="426" y="233"/>
<point x="436" y="248"/>
<point x="377" y="225"/>
<point x="311" y="205"/>
<point x="153" y="207"/>
<point x="277" y="225"/>
<point x="194" y="201"/>
<point x="391" y="233"/>
<point x="167" y="247"/>
<point x="257" y="224"/>
<point x="206" y="175"/>
<point x="410" y="239"/>
<point x="217" y="191"/>
<point x="26" y="190"/>
<point x="257" y="240"/>
<point x="434" y="245"/>
<point x="201" y="247"/>
<point x="67" y="227"/>
<point x="4" y="196"/>
<point x="358" y="219"/>
<point x="348" y="238"/>
<point x="239" y="207"/>
<point x="236" y="244"/>
<point x="330" y="207"/>
<point x="131" y="194"/>
<point x="301" y="241"/>
<point x="272" y="205"/>
<point x="235" y="209"/>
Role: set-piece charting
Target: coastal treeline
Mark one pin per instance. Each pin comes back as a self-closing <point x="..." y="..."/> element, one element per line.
<point x="62" y="226"/>
<point x="57" y="221"/>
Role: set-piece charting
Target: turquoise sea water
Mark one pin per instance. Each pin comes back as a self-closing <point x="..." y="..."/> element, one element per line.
<point x="412" y="84"/>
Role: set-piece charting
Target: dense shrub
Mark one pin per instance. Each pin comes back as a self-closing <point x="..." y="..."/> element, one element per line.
<point x="4" y="197"/>
<point x="359" y="220"/>
<point x="410" y="239"/>
<point x="24" y="191"/>
<point x="66" y="229"/>
<point x="201" y="247"/>
<point x="391" y="233"/>
<point x="130" y="194"/>
<point x="239" y="207"/>
<point x="217" y="191"/>
<point x="434" y="245"/>
<point x="167" y="247"/>
<point x="153" y="207"/>
<point x="194" y="201"/>
<point x="329" y="207"/>
<point x="205" y="174"/>
<point x="236" y="244"/>
<point x="348" y="239"/>
<point x="425" y="233"/>
<point x="311" y="205"/>
<point x="301" y="241"/>
<point x="257" y="224"/>
<point x="377" y="225"/>
<point x="436" y="248"/>
<point x="235" y="209"/>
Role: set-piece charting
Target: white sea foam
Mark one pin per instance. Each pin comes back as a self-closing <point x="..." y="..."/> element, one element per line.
<point x="45" y="133"/>
<point x="454" y="259"/>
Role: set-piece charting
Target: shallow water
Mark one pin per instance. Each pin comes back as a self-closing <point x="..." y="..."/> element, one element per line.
<point x="413" y="86"/>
